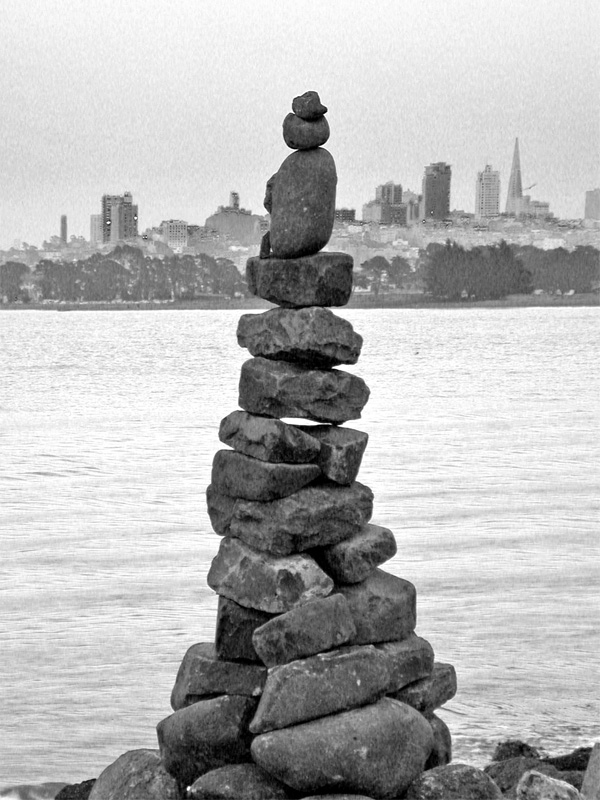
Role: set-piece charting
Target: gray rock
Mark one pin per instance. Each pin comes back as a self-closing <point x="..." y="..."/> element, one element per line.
<point x="312" y="628"/>
<point x="511" y="748"/>
<point x="303" y="203"/>
<point x="337" y="796"/>
<point x="355" y="558"/>
<point x="268" y="583"/>
<point x="136" y="775"/>
<point x="76" y="791"/>
<point x="341" y="452"/>
<point x="281" y="389"/>
<point x="234" y="630"/>
<point x="314" y="516"/>
<point x="237" y="781"/>
<point x="408" y="660"/>
<point x="537" y="786"/>
<point x="301" y="134"/>
<point x="308" y="106"/>
<point x="441" y="755"/>
<point x="323" y="279"/>
<point x="313" y="337"/>
<point x="238" y="475"/>
<point x="204" y="736"/>
<point x="590" y="788"/>
<point x="577" y="760"/>
<point x="320" y="685"/>
<point x="377" y="750"/>
<point x="383" y="607"/>
<point x="431" y="692"/>
<point x="201" y="675"/>
<point x="454" y="782"/>
<point x="268" y="439"/>
<point x="507" y="774"/>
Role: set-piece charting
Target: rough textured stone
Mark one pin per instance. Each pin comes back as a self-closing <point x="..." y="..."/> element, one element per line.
<point x="237" y="781"/>
<point x="76" y="791"/>
<point x="408" y="660"/>
<point x="313" y="628"/>
<point x="206" y="735"/>
<point x="442" y="744"/>
<point x="303" y="203"/>
<point x="314" y="516"/>
<point x="341" y="452"/>
<point x="308" y="106"/>
<point x="238" y="475"/>
<point x="511" y="748"/>
<point x="590" y="788"/>
<point x="268" y="439"/>
<point x="265" y="582"/>
<point x="202" y="675"/>
<point x="355" y="558"/>
<point x="301" y="134"/>
<point x="432" y="692"/>
<point x="536" y="786"/>
<point x="235" y="626"/>
<point x="507" y="774"/>
<point x="338" y="796"/>
<point x="281" y="389"/>
<point x="454" y="782"/>
<point x="136" y="775"/>
<point x="323" y="684"/>
<point x="323" y="279"/>
<point x="313" y="336"/>
<point x="383" y="607"/>
<point x="577" y="760"/>
<point x="377" y="750"/>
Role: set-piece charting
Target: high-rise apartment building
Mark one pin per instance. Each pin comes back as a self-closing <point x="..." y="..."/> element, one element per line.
<point x="96" y="229"/>
<point x="592" y="204"/>
<point x="63" y="228"/>
<point x="487" y="193"/>
<point x="515" y="184"/>
<point x="390" y="193"/>
<point x="175" y="233"/>
<point x="119" y="218"/>
<point x="436" y="191"/>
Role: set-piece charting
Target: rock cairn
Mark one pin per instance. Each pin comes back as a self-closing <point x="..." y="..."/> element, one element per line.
<point x="316" y="681"/>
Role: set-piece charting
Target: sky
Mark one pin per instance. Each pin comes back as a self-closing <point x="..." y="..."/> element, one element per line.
<point x="182" y="102"/>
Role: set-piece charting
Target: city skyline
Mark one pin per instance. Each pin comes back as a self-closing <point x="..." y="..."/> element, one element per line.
<point x="192" y="107"/>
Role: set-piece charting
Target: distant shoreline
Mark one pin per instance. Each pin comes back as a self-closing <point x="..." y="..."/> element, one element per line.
<point x="222" y="303"/>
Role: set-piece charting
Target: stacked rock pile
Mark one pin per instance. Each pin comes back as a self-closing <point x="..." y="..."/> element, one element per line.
<point x="316" y="681"/>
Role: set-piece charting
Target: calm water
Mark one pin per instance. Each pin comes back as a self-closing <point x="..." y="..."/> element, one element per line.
<point x="483" y="456"/>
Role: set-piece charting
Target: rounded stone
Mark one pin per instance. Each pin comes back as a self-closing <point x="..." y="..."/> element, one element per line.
<point x="300" y="134"/>
<point x="308" y="106"/>
<point x="136" y="775"/>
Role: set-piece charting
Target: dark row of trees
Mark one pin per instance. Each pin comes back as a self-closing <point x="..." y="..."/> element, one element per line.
<point x="124" y="274"/>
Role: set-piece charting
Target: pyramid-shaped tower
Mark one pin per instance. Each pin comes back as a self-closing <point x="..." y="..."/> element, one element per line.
<point x="515" y="185"/>
<point x="316" y="681"/>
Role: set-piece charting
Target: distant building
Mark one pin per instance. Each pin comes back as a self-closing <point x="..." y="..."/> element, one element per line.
<point x="119" y="218"/>
<point x="515" y="184"/>
<point x="592" y="204"/>
<point x="487" y="193"/>
<point x="387" y="208"/>
<point x="175" y="233"/>
<point x="63" y="229"/>
<point x="345" y="215"/>
<point x="390" y="193"/>
<point x="436" y="191"/>
<point x="236" y="223"/>
<point x="96" y="229"/>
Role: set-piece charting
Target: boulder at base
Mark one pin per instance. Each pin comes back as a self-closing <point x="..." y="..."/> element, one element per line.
<point x="237" y="782"/>
<point x="267" y="439"/>
<point x="536" y="786"/>
<point x="454" y="782"/>
<point x="136" y="775"/>
<point x="324" y="279"/>
<point x="377" y="750"/>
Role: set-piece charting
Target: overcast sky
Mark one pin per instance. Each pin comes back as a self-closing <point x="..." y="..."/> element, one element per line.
<point x="182" y="102"/>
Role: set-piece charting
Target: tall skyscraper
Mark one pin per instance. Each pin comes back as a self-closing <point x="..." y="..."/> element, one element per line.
<point x="487" y="193"/>
<point x="96" y="229"/>
<point x="515" y="185"/>
<point x="592" y="204"/>
<point x="119" y="218"/>
<point x="63" y="228"/>
<point x="436" y="190"/>
<point x="390" y="193"/>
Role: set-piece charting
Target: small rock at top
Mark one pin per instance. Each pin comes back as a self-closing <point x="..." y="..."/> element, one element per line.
<point x="308" y="106"/>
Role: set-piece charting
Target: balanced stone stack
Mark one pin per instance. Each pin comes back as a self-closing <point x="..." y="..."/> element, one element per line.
<point x="316" y="681"/>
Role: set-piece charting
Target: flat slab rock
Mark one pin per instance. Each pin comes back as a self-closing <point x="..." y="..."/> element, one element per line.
<point x="408" y="661"/>
<point x="202" y="675"/>
<point x="237" y="782"/>
<point x="377" y="750"/>
<point x="136" y="775"/>
<point x="268" y="583"/>
<point x="313" y="336"/>
<point x="341" y="450"/>
<point x="383" y="607"/>
<point x="312" y="628"/>
<point x="314" y="516"/>
<point x="324" y="684"/>
<point x="268" y="439"/>
<point x="431" y="692"/>
<point x="281" y="389"/>
<point x="323" y="279"/>
<point x="355" y="558"/>
<point x="205" y="736"/>
<point x="235" y="627"/>
<point x="238" y="475"/>
<point x="454" y="782"/>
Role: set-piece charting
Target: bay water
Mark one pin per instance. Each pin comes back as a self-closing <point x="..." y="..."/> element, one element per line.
<point x="483" y="457"/>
